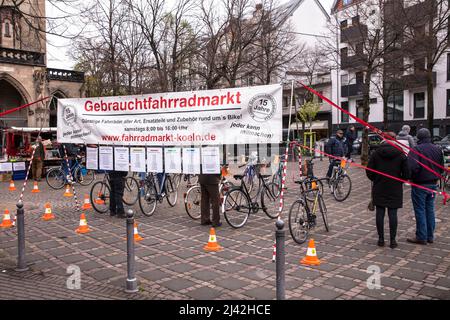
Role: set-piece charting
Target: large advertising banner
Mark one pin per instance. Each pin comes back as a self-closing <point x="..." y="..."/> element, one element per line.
<point x="213" y="117"/>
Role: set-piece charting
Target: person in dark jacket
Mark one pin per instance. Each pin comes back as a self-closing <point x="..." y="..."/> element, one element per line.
<point x="387" y="193"/>
<point x="117" y="183"/>
<point x="38" y="161"/>
<point x="335" y="147"/>
<point x="423" y="200"/>
<point x="209" y="186"/>
<point x="350" y="137"/>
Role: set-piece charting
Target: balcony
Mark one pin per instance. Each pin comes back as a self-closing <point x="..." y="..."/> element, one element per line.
<point x="65" y="75"/>
<point x="416" y="80"/>
<point x="352" y="90"/>
<point x="353" y="62"/>
<point x="22" y="57"/>
<point x="354" y="33"/>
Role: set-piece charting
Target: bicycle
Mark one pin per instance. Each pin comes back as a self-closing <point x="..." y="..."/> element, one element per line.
<point x="192" y="198"/>
<point x="156" y="191"/>
<point x="237" y="203"/>
<point x="444" y="182"/>
<point x="302" y="218"/>
<point x="190" y="179"/>
<point x="339" y="182"/>
<point x="101" y="192"/>
<point x="56" y="177"/>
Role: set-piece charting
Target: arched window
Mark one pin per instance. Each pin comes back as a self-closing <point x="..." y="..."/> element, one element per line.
<point x="7" y="29"/>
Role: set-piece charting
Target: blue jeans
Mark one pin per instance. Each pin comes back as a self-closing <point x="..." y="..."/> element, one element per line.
<point x="423" y="202"/>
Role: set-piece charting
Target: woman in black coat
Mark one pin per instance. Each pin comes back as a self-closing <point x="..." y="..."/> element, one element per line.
<point x="387" y="192"/>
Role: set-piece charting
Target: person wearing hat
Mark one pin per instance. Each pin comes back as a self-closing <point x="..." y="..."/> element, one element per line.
<point x="337" y="147"/>
<point x="423" y="200"/>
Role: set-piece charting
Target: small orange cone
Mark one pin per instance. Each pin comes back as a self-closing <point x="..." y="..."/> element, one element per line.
<point x="311" y="255"/>
<point x="212" y="243"/>
<point x="99" y="199"/>
<point x="35" y="188"/>
<point x="12" y="187"/>
<point x="86" y="205"/>
<point x="68" y="193"/>
<point x="137" y="237"/>
<point x="83" y="228"/>
<point x="48" y="215"/>
<point x="6" y="223"/>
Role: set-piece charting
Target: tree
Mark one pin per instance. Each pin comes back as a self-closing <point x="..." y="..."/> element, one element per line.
<point x="308" y="113"/>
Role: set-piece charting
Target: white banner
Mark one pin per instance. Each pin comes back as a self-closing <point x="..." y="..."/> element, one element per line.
<point x="91" y="158"/>
<point x="154" y="160"/>
<point x="121" y="159"/>
<point x="137" y="159"/>
<point x="191" y="160"/>
<point x="213" y="117"/>
<point x="19" y="166"/>
<point x="211" y="160"/>
<point x="6" y="167"/>
<point x="106" y="158"/>
<point x="172" y="160"/>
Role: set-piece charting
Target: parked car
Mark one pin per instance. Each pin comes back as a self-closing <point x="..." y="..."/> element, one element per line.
<point x="445" y="145"/>
<point x="374" y="143"/>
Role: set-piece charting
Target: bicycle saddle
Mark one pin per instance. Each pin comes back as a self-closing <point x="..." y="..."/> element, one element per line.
<point x="238" y="176"/>
<point x="266" y="175"/>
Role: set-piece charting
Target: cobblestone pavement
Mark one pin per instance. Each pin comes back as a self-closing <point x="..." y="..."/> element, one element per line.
<point x="171" y="262"/>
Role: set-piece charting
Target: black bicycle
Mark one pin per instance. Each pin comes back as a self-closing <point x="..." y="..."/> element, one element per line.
<point x="155" y="190"/>
<point x="340" y="183"/>
<point x="238" y="204"/>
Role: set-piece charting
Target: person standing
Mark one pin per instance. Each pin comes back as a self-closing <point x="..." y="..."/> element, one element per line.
<point x="117" y="183"/>
<point x="38" y="160"/>
<point x="423" y="200"/>
<point x="405" y="138"/>
<point x="335" y="147"/>
<point x="209" y="186"/>
<point x="350" y="137"/>
<point x="387" y="193"/>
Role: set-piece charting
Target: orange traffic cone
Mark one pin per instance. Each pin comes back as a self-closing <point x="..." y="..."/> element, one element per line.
<point x="99" y="199"/>
<point x="12" y="187"/>
<point x="212" y="243"/>
<point x="35" y="188"/>
<point x="83" y="228"/>
<point x="48" y="215"/>
<point x="6" y="223"/>
<point x="68" y="193"/>
<point x="86" y="205"/>
<point x="137" y="237"/>
<point x="311" y="255"/>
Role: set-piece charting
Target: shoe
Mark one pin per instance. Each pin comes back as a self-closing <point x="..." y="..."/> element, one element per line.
<point x="121" y="215"/>
<point x="112" y="214"/>
<point x="206" y="223"/>
<point x="430" y="241"/>
<point x="416" y="241"/>
<point x="217" y="225"/>
<point x="393" y="244"/>
<point x="380" y="243"/>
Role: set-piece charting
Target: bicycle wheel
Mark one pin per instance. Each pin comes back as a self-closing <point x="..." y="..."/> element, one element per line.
<point x="171" y="191"/>
<point x="55" y="178"/>
<point x="193" y="179"/>
<point x="192" y="202"/>
<point x="84" y="176"/>
<point x="236" y="208"/>
<point x="177" y="179"/>
<point x="298" y="222"/>
<point x="147" y="199"/>
<point x="276" y="180"/>
<point x="323" y="211"/>
<point x="130" y="191"/>
<point x="310" y="196"/>
<point x="342" y="188"/>
<point x="100" y="195"/>
<point x="269" y="201"/>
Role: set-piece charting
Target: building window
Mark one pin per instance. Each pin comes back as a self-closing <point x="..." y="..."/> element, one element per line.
<point x="7" y="30"/>
<point x="344" y="24"/>
<point x="344" y="79"/>
<point x="419" y="105"/>
<point x="344" y="52"/>
<point x="395" y="106"/>
<point x="344" y="116"/>
<point x="359" y="76"/>
<point x="448" y="103"/>
<point x="355" y="21"/>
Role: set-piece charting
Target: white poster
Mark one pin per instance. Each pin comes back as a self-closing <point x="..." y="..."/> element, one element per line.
<point x="154" y="160"/>
<point x="106" y="158"/>
<point x="172" y="160"/>
<point x="211" y="160"/>
<point x="137" y="159"/>
<point x="19" y="166"/>
<point x="91" y="158"/>
<point x="6" y="167"/>
<point x="121" y="159"/>
<point x="191" y="160"/>
<point x="213" y="117"/>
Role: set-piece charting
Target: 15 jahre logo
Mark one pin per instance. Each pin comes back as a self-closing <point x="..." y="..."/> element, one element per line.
<point x="262" y="107"/>
<point x="69" y="115"/>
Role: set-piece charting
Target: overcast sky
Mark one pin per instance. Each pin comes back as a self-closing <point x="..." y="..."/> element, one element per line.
<point x="58" y="48"/>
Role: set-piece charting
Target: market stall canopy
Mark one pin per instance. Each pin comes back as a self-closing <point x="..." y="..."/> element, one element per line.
<point x="316" y="125"/>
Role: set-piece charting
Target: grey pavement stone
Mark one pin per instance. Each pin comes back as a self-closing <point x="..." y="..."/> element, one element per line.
<point x="435" y="293"/>
<point x="381" y="294"/>
<point x="178" y="284"/>
<point x="232" y="283"/>
<point x="410" y="274"/>
<point x="104" y="274"/>
<point x="204" y="293"/>
<point x="395" y="283"/>
<point x="261" y="293"/>
<point x="74" y="258"/>
<point x="322" y="293"/>
<point x="116" y="259"/>
<point x="341" y="283"/>
<point x="205" y="275"/>
<point x="154" y="275"/>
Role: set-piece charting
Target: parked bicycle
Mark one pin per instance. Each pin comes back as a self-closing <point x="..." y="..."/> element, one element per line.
<point x="155" y="190"/>
<point x="303" y="213"/>
<point x="192" y="198"/>
<point x="57" y="177"/>
<point x="189" y="179"/>
<point x="237" y="204"/>
<point x="340" y="183"/>
<point x="444" y="182"/>
<point x="101" y="192"/>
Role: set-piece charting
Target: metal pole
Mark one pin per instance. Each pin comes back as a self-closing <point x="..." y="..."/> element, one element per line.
<point x="131" y="268"/>
<point x="280" y="259"/>
<point x="21" y="264"/>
